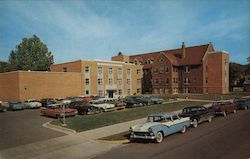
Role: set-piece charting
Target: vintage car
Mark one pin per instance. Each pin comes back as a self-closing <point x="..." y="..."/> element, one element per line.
<point x="48" y="101"/>
<point x="242" y="103"/>
<point x="224" y="107"/>
<point x="84" y="108"/>
<point x="197" y="114"/>
<point x="160" y="125"/>
<point x="3" y="108"/>
<point x="16" y="105"/>
<point x="130" y="102"/>
<point x="32" y="103"/>
<point x="57" y="111"/>
<point x="153" y="99"/>
<point x="102" y="105"/>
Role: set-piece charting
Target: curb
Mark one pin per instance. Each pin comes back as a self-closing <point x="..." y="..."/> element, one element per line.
<point x="67" y="131"/>
<point x="126" y="141"/>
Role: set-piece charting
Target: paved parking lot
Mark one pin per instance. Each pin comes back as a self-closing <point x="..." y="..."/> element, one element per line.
<point x="24" y="127"/>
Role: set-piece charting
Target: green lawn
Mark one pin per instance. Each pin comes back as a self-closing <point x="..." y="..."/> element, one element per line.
<point x="82" y="123"/>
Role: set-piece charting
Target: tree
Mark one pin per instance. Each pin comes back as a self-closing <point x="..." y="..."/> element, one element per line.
<point x="4" y="66"/>
<point x="31" y="54"/>
<point x="236" y="74"/>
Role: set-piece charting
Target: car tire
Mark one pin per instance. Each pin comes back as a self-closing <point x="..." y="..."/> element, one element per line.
<point x="183" y="130"/>
<point x="159" y="137"/>
<point x="210" y="119"/>
<point x="195" y="123"/>
<point x="224" y="113"/>
<point x="235" y="111"/>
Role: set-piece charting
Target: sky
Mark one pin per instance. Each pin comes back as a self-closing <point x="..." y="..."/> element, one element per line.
<point x="99" y="29"/>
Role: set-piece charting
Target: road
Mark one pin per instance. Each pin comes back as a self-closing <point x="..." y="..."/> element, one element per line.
<point x="227" y="138"/>
<point x="24" y="127"/>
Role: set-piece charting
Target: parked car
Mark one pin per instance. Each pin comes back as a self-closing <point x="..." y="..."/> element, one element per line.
<point x="242" y="103"/>
<point x="84" y="108"/>
<point x="197" y="114"/>
<point x="64" y="101"/>
<point x="87" y="99"/>
<point x="160" y="125"/>
<point x="48" y="101"/>
<point x="156" y="100"/>
<point x="224" y="107"/>
<point x="32" y="103"/>
<point x="16" y="105"/>
<point x="57" y="111"/>
<point x="130" y="102"/>
<point x="143" y="100"/>
<point x="3" y="108"/>
<point x="102" y="105"/>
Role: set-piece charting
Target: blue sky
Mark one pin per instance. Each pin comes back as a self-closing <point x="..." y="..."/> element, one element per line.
<point x="98" y="29"/>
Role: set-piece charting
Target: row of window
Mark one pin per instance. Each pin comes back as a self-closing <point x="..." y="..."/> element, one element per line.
<point x="162" y="81"/>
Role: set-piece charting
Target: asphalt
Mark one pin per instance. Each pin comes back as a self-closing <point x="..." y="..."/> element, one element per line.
<point x="24" y="127"/>
<point x="224" y="138"/>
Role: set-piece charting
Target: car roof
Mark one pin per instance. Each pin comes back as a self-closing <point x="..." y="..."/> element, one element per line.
<point x="165" y="114"/>
<point x="197" y="106"/>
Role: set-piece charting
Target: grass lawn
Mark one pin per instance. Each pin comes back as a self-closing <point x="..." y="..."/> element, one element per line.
<point x="83" y="123"/>
<point x="207" y="96"/>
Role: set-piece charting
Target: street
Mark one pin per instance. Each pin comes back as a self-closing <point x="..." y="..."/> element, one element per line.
<point x="227" y="137"/>
<point x="24" y="127"/>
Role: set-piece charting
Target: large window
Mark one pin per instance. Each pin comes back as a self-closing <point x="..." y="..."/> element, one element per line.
<point x="87" y="81"/>
<point x="99" y="81"/>
<point x="187" y="69"/>
<point x="99" y="70"/>
<point x="119" y="71"/>
<point x="86" y="69"/>
<point x="110" y="81"/>
<point x="110" y="70"/>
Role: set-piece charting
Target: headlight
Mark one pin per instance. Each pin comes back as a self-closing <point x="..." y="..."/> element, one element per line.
<point x="130" y="130"/>
<point x="150" y="132"/>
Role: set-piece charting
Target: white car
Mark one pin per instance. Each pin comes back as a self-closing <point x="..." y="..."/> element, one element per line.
<point x="32" y="103"/>
<point x="102" y="105"/>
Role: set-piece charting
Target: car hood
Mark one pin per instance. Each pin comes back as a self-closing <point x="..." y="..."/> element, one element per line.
<point x="34" y="103"/>
<point x="143" y="127"/>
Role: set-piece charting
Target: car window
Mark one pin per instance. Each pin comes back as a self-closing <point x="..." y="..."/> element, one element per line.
<point x="175" y="117"/>
<point x="156" y="119"/>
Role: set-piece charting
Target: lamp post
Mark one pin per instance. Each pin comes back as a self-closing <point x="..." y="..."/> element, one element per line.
<point x="64" y="124"/>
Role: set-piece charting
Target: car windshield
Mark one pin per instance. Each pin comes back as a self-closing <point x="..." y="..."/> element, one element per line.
<point x="157" y="119"/>
<point x="189" y="110"/>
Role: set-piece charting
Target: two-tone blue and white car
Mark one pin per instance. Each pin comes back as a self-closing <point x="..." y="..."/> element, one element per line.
<point x="160" y="125"/>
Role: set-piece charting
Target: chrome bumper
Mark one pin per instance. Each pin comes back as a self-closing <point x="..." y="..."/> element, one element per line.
<point x="133" y="136"/>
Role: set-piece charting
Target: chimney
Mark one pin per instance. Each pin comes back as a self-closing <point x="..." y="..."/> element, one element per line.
<point x="183" y="50"/>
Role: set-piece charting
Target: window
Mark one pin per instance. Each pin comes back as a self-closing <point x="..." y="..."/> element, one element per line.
<point x="99" y="70"/>
<point x="120" y="92"/>
<point x="99" y="81"/>
<point x="135" y="62"/>
<point x="138" y="71"/>
<point x="110" y="81"/>
<point x="128" y="72"/>
<point x="64" y="69"/>
<point x="100" y="93"/>
<point x="110" y="70"/>
<point x="128" y="91"/>
<point x="86" y="69"/>
<point x="175" y="69"/>
<point x="167" y="80"/>
<point x="119" y="81"/>
<point x="87" y="81"/>
<point x="187" y="69"/>
<point x="87" y="92"/>
<point x="138" y="81"/>
<point x="186" y="80"/>
<point x="206" y="79"/>
<point x="119" y="71"/>
<point x="161" y="69"/>
<point x="149" y="61"/>
<point x="166" y="69"/>
<point x="128" y="81"/>
<point x="161" y="60"/>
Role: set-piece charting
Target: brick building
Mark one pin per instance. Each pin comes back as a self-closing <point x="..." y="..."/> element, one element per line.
<point x="77" y="78"/>
<point x="195" y="69"/>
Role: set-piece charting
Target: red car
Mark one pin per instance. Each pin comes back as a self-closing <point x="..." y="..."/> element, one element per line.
<point x="224" y="107"/>
<point x="87" y="99"/>
<point x="57" y="111"/>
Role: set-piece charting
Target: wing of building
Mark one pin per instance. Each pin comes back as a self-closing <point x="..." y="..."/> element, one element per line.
<point x="195" y="69"/>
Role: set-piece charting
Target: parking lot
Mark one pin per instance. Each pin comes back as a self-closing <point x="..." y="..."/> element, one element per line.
<point x="24" y="127"/>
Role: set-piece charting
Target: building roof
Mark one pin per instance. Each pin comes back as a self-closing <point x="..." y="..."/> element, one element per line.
<point x="193" y="55"/>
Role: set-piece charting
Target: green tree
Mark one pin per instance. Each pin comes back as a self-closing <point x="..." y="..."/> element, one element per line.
<point x="4" y="66"/>
<point x="31" y="54"/>
<point x="236" y="72"/>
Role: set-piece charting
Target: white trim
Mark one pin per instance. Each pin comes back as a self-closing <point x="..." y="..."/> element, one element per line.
<point x="107" y="64"/>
